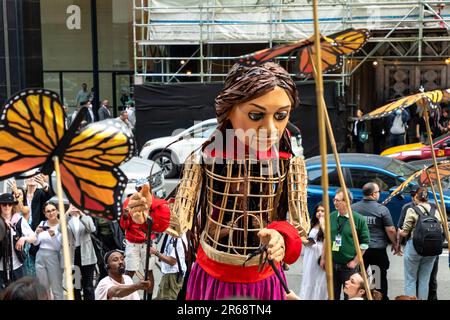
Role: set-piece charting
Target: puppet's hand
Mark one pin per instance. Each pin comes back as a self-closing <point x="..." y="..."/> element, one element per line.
<point x="275" y="243"/>
<point x="139" y="204"/>
<point x="147" y="194"/>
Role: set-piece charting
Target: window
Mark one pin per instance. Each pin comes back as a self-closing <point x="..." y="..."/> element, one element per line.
<point x="204" y="131"/>
<point x="361" y="176"/>
<point x="315" y="175"/>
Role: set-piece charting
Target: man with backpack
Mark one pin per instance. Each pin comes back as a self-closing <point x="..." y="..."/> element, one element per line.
<point x="397" y="123"/>
<point x="173" y="266"/>
<point x="423" y="225"/>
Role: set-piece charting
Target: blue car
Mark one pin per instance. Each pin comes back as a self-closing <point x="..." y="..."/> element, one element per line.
<point x="358" y="169"/>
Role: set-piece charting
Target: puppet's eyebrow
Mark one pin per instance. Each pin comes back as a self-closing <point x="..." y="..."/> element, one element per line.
<point x="264" y="109"/>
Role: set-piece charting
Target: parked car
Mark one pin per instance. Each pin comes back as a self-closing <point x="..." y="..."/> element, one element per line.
<point x="171" y="152"/>
<point x="134" y="169"/>
<point x="358" y="169"/>
<point x="420" y="151"/>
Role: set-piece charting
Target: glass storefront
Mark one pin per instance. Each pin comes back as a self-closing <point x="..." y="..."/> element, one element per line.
<point x="67" y="47"/>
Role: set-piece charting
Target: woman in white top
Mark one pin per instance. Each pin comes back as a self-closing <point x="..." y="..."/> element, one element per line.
<point x="314" y="280"/>
<point x="17" y="233"/>
<point x="48" y="263"/>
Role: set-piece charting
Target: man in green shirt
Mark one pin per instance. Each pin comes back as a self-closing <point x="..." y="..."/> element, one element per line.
<point x="345" y="260"/>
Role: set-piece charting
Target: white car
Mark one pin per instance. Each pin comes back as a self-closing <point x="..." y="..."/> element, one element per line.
<point x="171" y="152"/>
<point x="170" y="156"/>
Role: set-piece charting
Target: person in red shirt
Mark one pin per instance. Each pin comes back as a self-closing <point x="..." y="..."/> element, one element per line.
<point x="134" y="222"/>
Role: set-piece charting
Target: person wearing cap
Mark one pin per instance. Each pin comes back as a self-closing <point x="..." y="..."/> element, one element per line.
<point x="16" y="233"/>
<point x="117" y="285"/>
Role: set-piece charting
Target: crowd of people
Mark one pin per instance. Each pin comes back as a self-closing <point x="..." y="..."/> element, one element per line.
<point x="375" y="230"/>
<point x="253" y="96"/>
<point x="31" y="247"/>
<point x="373" y="223"/>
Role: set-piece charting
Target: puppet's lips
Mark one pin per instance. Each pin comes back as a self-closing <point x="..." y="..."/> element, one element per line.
<point x="266" y="141"/>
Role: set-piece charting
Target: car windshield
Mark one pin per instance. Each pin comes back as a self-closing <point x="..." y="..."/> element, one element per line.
<point x="401" y="168"/>
<point x="427" y="143"/>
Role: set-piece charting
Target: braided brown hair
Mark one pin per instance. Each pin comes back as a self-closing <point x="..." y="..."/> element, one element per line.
<point x="245" y="83"/>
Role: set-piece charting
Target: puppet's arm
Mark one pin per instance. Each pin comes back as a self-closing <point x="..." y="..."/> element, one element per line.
<point x="183" y="209"/>
<point x="297" y="196"/>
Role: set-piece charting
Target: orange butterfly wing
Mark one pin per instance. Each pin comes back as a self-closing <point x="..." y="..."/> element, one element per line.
<point x="89" y="168"/>
<point x="444" y="171"/>
<point x="333" y="48"/>
<point x="265" y="55"/>
<point x="32" y="125"/>
<point x="432" y="97"/>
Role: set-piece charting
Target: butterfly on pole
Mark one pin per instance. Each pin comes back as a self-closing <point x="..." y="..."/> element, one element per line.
<point x="33" y="131"/>
<point x="333" y="49"/>
<point x="431" y="97"/>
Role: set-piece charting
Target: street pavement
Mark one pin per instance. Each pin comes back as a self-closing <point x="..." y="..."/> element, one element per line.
<point x="395" y="272"/>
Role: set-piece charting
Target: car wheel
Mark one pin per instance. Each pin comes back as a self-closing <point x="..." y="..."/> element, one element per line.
<point x="164" y="160"/>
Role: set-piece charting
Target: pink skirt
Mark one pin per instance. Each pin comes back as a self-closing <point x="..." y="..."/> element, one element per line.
<point x="202" y="286"/>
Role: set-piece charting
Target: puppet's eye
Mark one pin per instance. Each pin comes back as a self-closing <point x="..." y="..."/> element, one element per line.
<point x="256" y="116"/>
<point x="281" y="115"/>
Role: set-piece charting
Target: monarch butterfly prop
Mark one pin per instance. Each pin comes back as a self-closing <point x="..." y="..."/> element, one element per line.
<point x="403" y="185"/>
<point x="32" y="131"/>
<point x="444" y="171"/>
<point x="432" y="97"/>
<point x="333" y="47"/>
<point x="421" y="174"/>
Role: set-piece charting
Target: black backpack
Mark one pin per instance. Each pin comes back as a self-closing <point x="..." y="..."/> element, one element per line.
<point x="428" y="239"/>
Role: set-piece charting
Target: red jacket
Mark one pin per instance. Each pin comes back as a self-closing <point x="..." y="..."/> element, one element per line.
<point x="137" y="233"/>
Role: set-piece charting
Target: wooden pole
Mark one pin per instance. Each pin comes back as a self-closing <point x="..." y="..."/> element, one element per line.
<point x="443" y="210"/>
<point x="434" y="194"/>
<point x="65" y="238"/>
<point x="347" y="201"/>
<point x="323" y="115"/>
<point x="323" y="153"/>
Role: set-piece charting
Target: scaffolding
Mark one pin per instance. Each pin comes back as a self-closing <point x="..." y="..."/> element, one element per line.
<point x="214" y="33"/>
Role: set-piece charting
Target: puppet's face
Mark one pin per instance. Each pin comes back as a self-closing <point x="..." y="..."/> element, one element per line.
<point x="260" y="122"/>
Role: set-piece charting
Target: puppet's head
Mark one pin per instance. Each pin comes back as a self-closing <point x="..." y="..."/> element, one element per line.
<point x="257" y="100"/>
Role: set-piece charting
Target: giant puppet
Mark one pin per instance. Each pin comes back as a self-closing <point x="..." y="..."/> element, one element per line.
<point x="245" y="190"/>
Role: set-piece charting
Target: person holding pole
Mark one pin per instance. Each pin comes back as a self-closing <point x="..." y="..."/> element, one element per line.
<point x="135" y="224"/>
<point x="345" y="260"/>
<point x="117" y="285"/>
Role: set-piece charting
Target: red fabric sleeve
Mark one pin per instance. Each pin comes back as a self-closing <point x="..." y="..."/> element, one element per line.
<point x="160" y="212"/>
<point x="124" y="223"/>
<point x="292" y="240"/>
